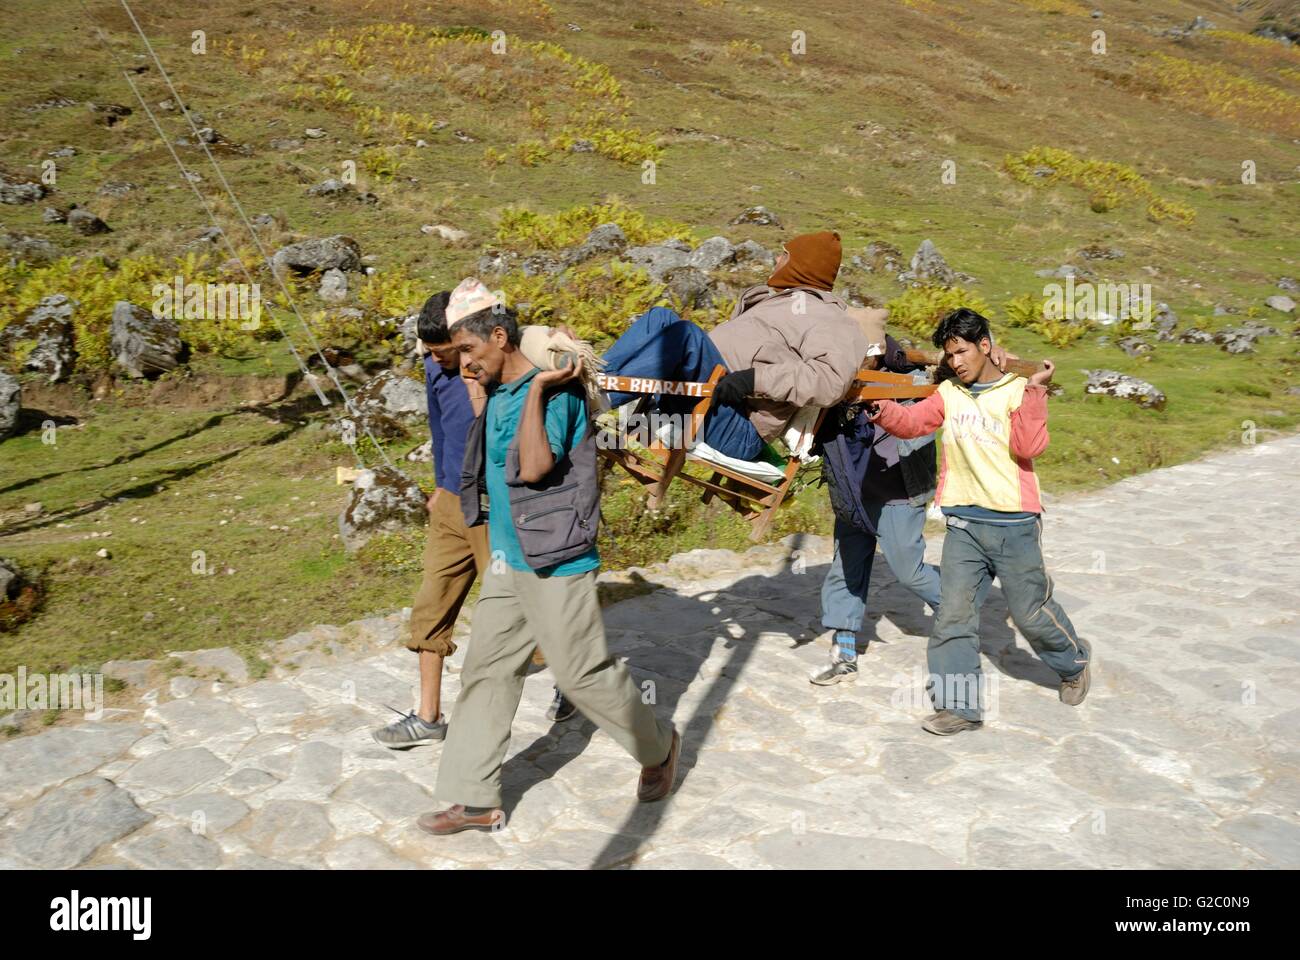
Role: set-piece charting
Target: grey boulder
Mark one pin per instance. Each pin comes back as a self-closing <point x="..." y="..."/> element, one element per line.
<point x="45" y="336"/>
<point x="319" y="254"/>
<point x="1112" y="383"/>
<point x="11" y="404"/>
<point x="383" y="500"/>
<point x="928" y="267"/>
<point x="144" y="345"/>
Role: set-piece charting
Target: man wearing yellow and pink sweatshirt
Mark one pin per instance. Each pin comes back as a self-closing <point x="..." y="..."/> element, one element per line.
<point x="994" y="425"/>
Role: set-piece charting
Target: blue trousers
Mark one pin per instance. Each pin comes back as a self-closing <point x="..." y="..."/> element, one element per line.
<point x="661" y="345"/>
<point x="973" y="554"/>
<point x="901" y="529"/>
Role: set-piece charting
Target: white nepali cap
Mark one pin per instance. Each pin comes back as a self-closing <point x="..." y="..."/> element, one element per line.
<point x="470" y="296"/>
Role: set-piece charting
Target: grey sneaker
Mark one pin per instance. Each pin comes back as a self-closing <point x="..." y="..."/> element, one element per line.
<point x="945" y="723"/>
<point x="1074" y="689"/>
<point x="410" y="731"/>
<point x="561" y="708"/>
<point x="834" y="671"/>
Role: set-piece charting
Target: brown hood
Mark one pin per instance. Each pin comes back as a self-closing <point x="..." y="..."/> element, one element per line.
<point x="814" y="262"/>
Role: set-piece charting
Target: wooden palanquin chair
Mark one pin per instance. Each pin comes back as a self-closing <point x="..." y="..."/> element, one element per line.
<point x="755" y="499"/>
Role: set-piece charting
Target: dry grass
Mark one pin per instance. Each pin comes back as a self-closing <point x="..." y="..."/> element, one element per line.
<point x="1215" y="91"/>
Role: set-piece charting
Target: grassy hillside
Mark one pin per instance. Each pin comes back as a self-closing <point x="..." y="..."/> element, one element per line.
<point x="852" y="131"/>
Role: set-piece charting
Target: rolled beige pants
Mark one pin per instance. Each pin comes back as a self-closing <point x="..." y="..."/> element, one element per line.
<point x="454" y="555"/>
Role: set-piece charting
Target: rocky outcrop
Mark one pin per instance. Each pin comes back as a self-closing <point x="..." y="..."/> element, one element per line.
<point x="658" y="259"/>
<point x="395" y="396"/>
<point x="11" y="403"/>
<point x="333" y="286"/>
<point x="319" y="254"/>
<point x="84" y="222"/>
<point x="608" y="239"/>
<point x="1112" y="383"/>
<point x="42" y="340"/>
<point x="688" y="287"/>
<point x="756" y="216"/>
<point x="383" y="500"/>
<point x="14" y="190"/>
<point x="928" y="268"/>
<point x="144" y="345"/>
<point x="22" y="247"/>
<point x="386" y="406"/>
<point x="1242" y="339"/>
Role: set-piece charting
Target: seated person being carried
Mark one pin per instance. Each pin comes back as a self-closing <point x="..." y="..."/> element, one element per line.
<point x="788" y="344"/>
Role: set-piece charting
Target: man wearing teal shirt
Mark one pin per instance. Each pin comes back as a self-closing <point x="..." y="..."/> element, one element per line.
<point x="531" y="458"/>
<point x="565" y="419"/>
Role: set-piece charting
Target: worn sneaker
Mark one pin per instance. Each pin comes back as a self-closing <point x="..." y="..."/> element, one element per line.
<point x="410" y="731"/>
<point x="834" y="671"/>
<point x="1075" y="688"/>
<point x="561" y="708"/>
<point x="945" y="723"/>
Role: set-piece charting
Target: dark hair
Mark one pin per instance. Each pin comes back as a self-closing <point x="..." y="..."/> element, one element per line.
<point x="482" y="322"/>
<point x="962" y="324"/>
<point x="431" y="327"/>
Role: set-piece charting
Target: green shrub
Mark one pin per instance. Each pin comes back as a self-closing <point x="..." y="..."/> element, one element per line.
<point x="597" y="301"/>
<point x="918" y="310"/>
<point x="96" y="287"/>
<point x="1030" y="313"/>
<point x="1108" y="184"/>
<point x="526" y="231"/>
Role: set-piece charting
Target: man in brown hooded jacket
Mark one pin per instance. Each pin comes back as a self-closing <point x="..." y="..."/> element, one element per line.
<point x="789" y="343"/>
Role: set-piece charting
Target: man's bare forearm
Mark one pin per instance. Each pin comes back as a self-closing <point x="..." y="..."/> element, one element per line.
<point x="535" y="457"/>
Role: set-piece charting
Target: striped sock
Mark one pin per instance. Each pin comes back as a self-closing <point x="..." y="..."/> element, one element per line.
<point x="847" y="643"/>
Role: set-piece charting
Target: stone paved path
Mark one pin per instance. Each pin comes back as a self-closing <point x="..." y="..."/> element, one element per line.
<point x="1186" y="753"/>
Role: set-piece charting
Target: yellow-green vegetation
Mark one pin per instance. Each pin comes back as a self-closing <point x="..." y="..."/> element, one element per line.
<point x="382" y="163"/>
<point x="918" y="310"/>
<point x="535" y="84"/>
<point x="96" y="287"/>
<point x="521" y="229"/>
<point x="1068" y="7"/>
<point x="1257" y="46"/>
<point x="1216" y="91"/>
<point x="1108" y="184"/>
<point x="598" y="301"/>
<point x="1034" y="313"/>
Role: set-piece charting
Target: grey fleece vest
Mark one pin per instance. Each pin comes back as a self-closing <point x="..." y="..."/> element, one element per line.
<point x="555" y="518"/>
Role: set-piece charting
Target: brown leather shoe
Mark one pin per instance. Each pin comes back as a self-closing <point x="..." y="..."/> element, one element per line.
<point x="657" y="782"/>
<point x="454" y="820"/>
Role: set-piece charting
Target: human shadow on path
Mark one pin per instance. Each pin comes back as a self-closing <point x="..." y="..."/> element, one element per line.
<point x="673" y="664"/>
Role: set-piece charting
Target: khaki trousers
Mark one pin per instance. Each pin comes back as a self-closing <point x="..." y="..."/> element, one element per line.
<point x="454" y="555"/>
<point x="562" y="616"/>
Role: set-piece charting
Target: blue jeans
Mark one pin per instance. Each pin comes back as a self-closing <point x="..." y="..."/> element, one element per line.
<point x="901" y="530"/>
<point x="661" y="345"/>
<point x="973" y="554"/>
